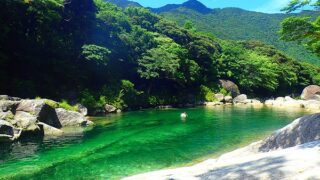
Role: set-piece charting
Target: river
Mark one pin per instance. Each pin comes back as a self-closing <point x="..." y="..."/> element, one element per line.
<point x="141" y="141"/>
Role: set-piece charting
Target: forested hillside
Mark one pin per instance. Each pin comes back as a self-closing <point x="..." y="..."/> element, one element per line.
<point x="124" y="3"/>
<point x="97" y="53"/>
<point x="239" y="24"/>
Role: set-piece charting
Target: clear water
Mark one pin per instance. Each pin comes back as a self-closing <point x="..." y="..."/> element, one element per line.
<point x="135" y="142"/>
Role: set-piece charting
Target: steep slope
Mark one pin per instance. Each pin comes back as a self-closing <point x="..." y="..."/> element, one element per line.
<point x="238" y="24"/>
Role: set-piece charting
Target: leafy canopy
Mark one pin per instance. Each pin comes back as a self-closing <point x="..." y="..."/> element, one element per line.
<point x="302" y="29"/>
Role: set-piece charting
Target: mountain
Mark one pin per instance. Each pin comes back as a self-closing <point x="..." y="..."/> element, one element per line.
<point x="124" y="3"/>
<point x="238" y="24"/>
<point x="191" y="4"/>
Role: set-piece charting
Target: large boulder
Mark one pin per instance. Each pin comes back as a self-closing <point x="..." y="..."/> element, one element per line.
<point x="110" y="108"/>
<point x="42" y="110"/>
<point x="27" y="122"/>
<point x="311" y="92"/>
<point x="240" y="99"/>
<point x="303" y="130"/>
<point x="230" y="87"/>
<point x="7" y="132"/>
<point x="71" y="118"/>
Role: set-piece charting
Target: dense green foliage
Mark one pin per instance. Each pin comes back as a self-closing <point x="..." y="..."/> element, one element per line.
<point x="302" y="29"/>
<point x="238" y="24"/>
<point x="95" y="53"/>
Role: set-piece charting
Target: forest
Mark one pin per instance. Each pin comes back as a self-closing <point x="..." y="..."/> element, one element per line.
<point x="238" y="24"/>
<point x="93" y="52"/>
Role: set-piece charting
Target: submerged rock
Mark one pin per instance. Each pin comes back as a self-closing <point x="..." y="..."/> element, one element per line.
<point x="303" y="130"/>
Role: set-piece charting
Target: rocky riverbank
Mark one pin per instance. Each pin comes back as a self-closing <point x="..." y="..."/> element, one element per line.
<point x="309" y="100"/>
<point x="21" y="118"/>
<point x="292" y="152"/>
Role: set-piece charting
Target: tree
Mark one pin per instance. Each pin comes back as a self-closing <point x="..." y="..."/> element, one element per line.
<point x="302" y="29"/>
<point x="190" y="26"/>
<point x="162" y="61"/>
<point x="96" y="53"/>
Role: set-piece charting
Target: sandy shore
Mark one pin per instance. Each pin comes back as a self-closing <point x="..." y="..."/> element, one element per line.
<point x="299" y="162"/>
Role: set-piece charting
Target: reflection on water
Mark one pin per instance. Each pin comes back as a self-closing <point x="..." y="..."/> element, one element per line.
<point x="30" y="146"/>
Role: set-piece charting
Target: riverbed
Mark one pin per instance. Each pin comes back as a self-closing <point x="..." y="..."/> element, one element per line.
<point x="125" y="144"/>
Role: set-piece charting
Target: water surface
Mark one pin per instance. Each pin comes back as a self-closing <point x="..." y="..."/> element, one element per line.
<point x="135" y="142"/>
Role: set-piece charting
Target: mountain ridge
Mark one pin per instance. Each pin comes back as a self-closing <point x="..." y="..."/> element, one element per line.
<point x="191" y="4"/>
<point x="124" y="3"/>
<point x="239" y="24"/>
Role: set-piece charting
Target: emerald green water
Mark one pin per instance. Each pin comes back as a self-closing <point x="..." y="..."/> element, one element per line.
<point x="135" y="142"/>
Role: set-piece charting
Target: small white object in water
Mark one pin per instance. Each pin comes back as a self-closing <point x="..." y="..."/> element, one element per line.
<point x="184" y="115"/>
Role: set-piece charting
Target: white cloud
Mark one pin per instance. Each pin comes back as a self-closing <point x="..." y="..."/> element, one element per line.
<point x="273" y="6"/>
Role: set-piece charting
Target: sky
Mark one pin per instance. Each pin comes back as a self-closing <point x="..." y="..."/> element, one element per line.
<point x="266" y="6"/>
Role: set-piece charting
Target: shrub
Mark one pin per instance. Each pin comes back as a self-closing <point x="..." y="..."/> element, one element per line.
<point x="207" y="94"/>
<point x="51" y="103"/>
<point x="65" y="105"/>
